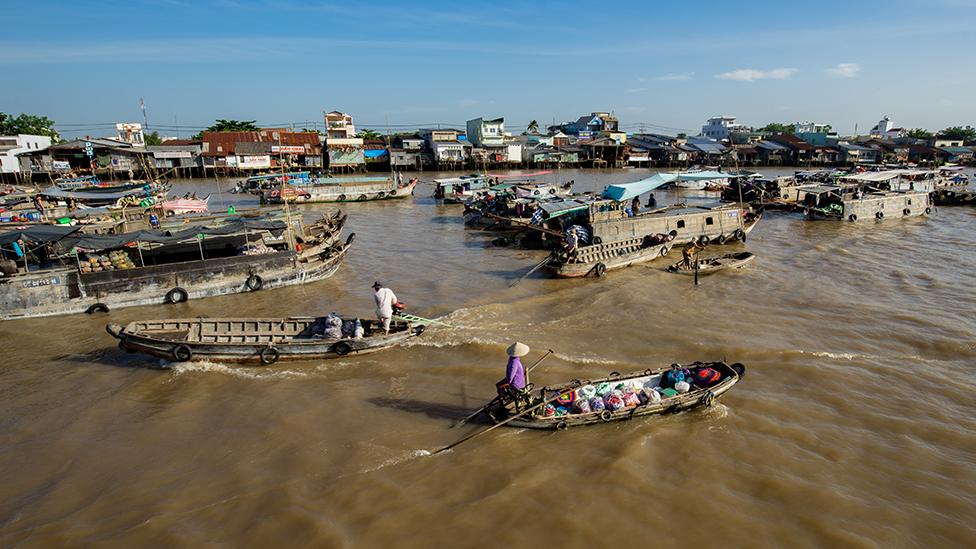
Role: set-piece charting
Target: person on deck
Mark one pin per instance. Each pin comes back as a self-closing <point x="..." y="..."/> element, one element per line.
<point x="515" y="373"/>
<point x="572" y="240"/>
<point x="635" y="205"/>
<point x="385" y="298"/>
<point x="690" y="253"/>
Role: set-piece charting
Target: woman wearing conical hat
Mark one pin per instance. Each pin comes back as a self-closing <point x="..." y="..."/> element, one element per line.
<point x="515" y="372"/>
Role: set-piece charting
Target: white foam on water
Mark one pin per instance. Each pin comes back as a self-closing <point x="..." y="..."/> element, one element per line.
<point x="586" y="359"/>
<point x="244" y="372"/>
<point x="395" y="460"/>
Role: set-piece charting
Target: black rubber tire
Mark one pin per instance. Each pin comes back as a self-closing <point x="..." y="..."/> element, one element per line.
<point x="537" y="192"/>
<point x="381" y="194"/>
<point x="600" y="269"/>
<point x="562" y="426"/>
<point x="606" y="415"/>
<point x="928" y="211"/>
<point x="342" y="348"/>
<point x="362" y="197"/>
<point x="269" y="355"/>
<point x="182" y="353"/>
<point x="704" y="240"/>
<point x="393" y="192"/>
<point x="721" y="239"/>
<point x="552" y="191"/>
<point x="341" y="198"/>
<point x="417" y="330"/>
<point x="906" y="211"/>
<point x="852" y="217"/>
<point x="597" y="240"/>
<point x="177" y="295"/>
<point x="254" y="282"/>
<point x="97" y="308"/>
<point x="614" y="374"/>
<point x="740" y="235"/>
<point x="664" y="251"/>
<point x="879" y="215"/>
<point x="739" y="368"/>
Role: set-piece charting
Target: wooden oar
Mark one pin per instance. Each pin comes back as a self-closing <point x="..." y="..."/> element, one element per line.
<point x="532" y="270"/>
<point x="495" y="426"/>
<point x="492" y="401"/>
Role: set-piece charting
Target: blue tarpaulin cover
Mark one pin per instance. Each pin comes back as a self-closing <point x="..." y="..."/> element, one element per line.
<point x="626" y="191"/>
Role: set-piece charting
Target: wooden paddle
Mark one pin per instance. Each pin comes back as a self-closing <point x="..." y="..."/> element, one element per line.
<point x="492" y="427"/>
<point x="492" y="401"/>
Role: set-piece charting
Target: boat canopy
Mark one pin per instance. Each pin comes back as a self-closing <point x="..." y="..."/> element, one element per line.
<point x="626" y="191"/>
<point x="294" y="175"/>
<point x="37" y="234"/>
<point x="53" y="192"/>
<point x="886" y="175"/>
<point x="562" y="207"/>
<point x="111" y="241"/>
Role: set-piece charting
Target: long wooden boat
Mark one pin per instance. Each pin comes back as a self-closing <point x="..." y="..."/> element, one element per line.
<point x="597" y="259"/>
<point x="512" y="402"/>
<point x="867" y="205"/>
<point x="160" y="269"/>
<point x="386" y="189"/>
<point x="709" y="265"/>
<point x="254" y="340"/>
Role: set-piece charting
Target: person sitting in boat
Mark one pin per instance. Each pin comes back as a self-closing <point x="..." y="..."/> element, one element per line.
<point x="385" y="298"/>
<point x="153" y="221"/>
<point x="635" y="205"/>
<point x="690" y="253"/>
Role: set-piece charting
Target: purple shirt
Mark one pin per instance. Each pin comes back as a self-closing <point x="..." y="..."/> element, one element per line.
<point x="515" y="373"/>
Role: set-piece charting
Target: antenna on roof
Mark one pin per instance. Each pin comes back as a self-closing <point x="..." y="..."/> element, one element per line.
<point x="145" y="117"/>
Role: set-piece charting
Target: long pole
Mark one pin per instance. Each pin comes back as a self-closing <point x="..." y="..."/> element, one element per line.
<point x="497" y="425"/>
<point x="492" y="401"/>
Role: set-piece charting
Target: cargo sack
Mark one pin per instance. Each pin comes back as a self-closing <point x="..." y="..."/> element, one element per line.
<point x="705" y="376"/>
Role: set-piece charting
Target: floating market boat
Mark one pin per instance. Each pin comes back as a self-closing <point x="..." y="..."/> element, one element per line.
<point x="946" y="197"/>
<point x="179" y="206"/>
<point x="259" y="184"/>
<point x="854" y="204"/>
<point x="340" y="190"/>
<point x="92" y="183"/>
<point x="617" y="397"/>
<point x="597" y="259"/>
<point x="255" y="340"/>
<point x="709" y="265"/>
<point x="75" y="272"/>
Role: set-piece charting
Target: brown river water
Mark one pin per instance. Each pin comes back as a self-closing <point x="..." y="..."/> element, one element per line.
<point x="853" y="425"/>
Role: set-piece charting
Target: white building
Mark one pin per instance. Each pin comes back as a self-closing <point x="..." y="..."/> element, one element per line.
<point x="486" y="133"/>
<point x="12" y="144"/>
<point x="719" y="127"/>
<point x="130" y="132"/>
<point x="810" y="127"/>
<point x="885" y="129"/>
<point x="339" y="125"/>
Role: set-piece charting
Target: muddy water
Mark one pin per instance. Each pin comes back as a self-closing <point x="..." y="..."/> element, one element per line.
<point x="853" y="425"/>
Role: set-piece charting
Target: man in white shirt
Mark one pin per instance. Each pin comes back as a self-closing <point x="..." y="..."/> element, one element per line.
<point x="385" y="298"/>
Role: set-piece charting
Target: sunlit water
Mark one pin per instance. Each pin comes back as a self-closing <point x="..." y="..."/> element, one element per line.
<point x="853" y="425"/>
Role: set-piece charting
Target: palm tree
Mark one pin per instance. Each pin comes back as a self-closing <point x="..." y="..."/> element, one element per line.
<point x="533" y="127"/>
<point x="369" y="134"/>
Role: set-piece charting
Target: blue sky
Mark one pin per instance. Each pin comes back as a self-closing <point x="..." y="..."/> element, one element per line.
<point x="667" y="65"/>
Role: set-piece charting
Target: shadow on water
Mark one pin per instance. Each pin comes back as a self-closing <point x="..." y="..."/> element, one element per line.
<point x="431" y="409"/>
<point x="447" y="219"/>
<point x="112" y="356"/>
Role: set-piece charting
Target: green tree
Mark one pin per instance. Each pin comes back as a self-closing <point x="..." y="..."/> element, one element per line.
<point x="919" y="133"/>
<point x="958" y="132"/>
<point x="533" y="127"/>
<point x="777" y="127"/>
<point x="369" y="134"/>
<point x="27" y="124"/>
<point x="153" y="139"/>
<point x="221" y="125"/>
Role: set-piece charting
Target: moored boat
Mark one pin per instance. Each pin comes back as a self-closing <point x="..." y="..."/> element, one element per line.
<point x="597" y="259"/>
<point x="617" y="397"/>
<point x="255" y="340"/>
<point x="714" y="264"/>
<point x="341" y="190"/>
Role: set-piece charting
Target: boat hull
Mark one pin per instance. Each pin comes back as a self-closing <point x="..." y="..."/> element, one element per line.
<point x="352" y="193"/>
<point x="617" y="255"/>
<point x="293" y="340"/>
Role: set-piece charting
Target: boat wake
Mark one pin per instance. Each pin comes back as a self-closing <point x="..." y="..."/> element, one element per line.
<point x="244" y="372"/>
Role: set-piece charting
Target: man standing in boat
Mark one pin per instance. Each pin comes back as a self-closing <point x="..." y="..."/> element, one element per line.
<point x="690" y="253"/>
<point x="385" y="298"/>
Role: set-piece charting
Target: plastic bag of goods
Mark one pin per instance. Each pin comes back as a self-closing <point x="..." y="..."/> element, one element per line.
<point x="614" y="402"/>
<point x="566" y="398"/>
<point x="652" y="394"/>
<point x="358" y="332"/>
<point x="668" y="393"/>
<point x="586" y="391"/>
<point x="597" y="405"/>
<point x="671" y="377"/>
<point x="631" y="399"/>
<point x="581" y="406"/>
<point x="706" y="376"/>
<point x="603" y="388"/>
<point x="333" y="327"/>
<point x="348" y="328"/>
<point x="562" y="411"/>
<point x="682" y="386"/>
<point x="549" y="410"/>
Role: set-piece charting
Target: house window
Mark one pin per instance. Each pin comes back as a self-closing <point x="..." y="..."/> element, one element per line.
<point x="909" y="201"/>
<point x="709" y="221"/>
<point x="681" y="224"/>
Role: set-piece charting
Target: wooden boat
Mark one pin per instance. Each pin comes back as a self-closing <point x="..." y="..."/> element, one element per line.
<point x="372" y="188"/>
<point x="512" y="402"/>
<point x="714" y="264"/>
<point x="254" y="340"/>
<point x="151" y="267"/>
<point x="180" y="206"/>
<point x="597" y="259"/>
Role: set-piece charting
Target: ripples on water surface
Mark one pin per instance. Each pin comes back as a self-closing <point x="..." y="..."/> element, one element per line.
<point x="853" y="425"/>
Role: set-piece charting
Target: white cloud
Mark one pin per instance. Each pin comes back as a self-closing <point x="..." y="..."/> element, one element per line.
<point x="636" y="90"/>
<point x="672" y="77"/>
<point x="751" y="75"/>
<point x="845" y="70"/>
